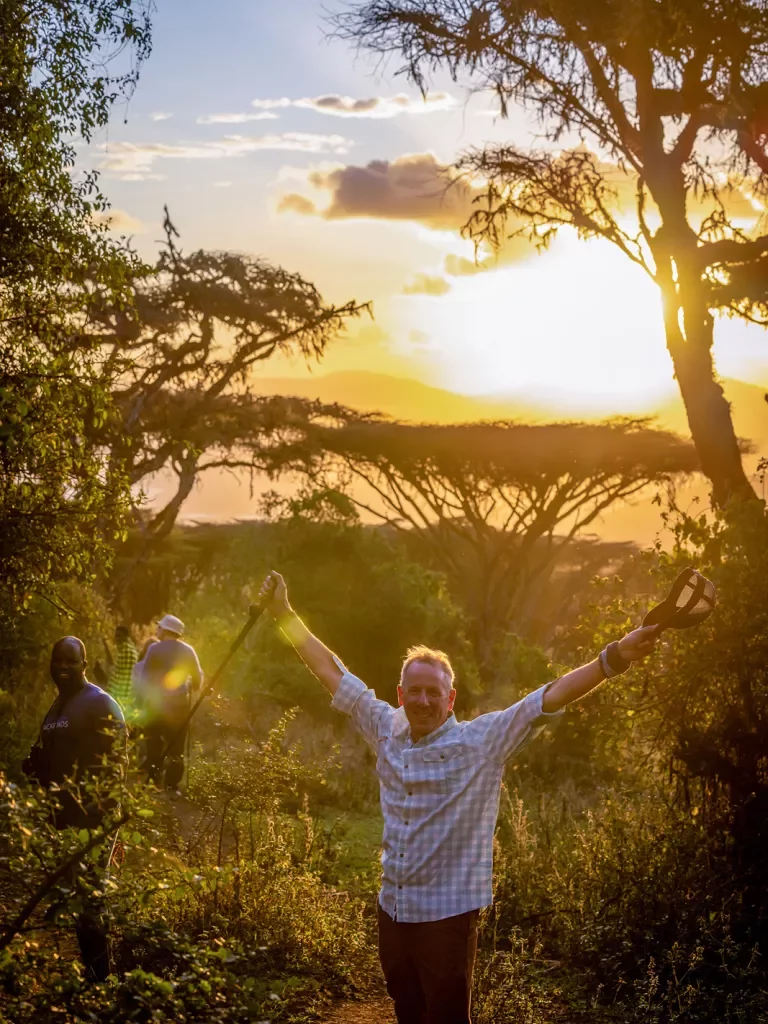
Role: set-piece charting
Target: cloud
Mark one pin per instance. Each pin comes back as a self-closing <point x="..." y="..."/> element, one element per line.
<point x="271" y="104"/>
<point x="295" y="203"/>
<point x="263" y="115"/>
<point x="160" y="115"/>
<point x="379" y="106"/>
<point x="427" y="284"/>
<point x="460" y="266"/>
<point x="415" y="188"/>
<point x="140" y="176"/>
<point x="119" y="221"/>
<point x="134" y="161"/>
<point x="222" y="184"/>
<point x="372" y="106"/>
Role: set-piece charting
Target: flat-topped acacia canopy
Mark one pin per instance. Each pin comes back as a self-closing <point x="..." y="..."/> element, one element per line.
<point x="510" y="452"/>
<point x="494" y="504"/>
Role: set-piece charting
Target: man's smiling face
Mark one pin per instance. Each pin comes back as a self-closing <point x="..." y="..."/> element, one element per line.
<point x="67" y="663"/>
<point x="427" y="697"/>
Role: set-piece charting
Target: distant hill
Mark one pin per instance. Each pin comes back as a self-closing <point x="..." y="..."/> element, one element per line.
<point x="399" y="397"/>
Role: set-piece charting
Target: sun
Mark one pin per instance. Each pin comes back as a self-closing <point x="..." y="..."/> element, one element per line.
<point x="580" y="325"/>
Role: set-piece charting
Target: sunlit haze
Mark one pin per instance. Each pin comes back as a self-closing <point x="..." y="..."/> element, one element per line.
<point x="579" y="323"/>
<point x="263" y="136"/>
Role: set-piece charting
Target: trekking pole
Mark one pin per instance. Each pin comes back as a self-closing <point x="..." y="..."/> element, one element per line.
<point x="255" y="612"/>
<point x="189" y="736"/>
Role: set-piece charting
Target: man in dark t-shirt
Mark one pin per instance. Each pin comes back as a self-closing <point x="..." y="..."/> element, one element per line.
<point x="82" y="735"/>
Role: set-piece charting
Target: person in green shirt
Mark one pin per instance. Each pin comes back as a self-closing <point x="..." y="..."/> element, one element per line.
<point x="120" y="670"/>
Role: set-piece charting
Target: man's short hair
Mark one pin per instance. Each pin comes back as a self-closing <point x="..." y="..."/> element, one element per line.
<point x="431" y="657"/>
<point x="122" y="631"/>
<point x="71" y="640"/>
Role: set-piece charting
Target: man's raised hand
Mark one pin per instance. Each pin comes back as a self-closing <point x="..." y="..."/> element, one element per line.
<point x="639" y="643"/>
<point x="273" y="595"/>
<point x="323" y="664"/>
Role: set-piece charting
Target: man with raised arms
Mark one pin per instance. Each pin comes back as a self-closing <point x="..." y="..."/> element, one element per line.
<point x="440" y="781"/>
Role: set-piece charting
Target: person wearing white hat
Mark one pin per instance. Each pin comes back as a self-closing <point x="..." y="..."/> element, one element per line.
<point x="170" y="626"/>
<point x="171" y="671"/>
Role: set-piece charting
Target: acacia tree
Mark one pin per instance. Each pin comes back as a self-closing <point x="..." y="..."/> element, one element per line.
<point x="495" y="505"/>
<point x="178" y="360"/>
<point x="675" y="95"/>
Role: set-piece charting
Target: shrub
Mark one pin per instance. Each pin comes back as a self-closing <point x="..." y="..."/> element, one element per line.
<point x="512" y="986"/>
<point x="193" y="941"/>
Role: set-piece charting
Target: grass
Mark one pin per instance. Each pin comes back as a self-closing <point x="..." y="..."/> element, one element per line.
<point x="357" y="837"/>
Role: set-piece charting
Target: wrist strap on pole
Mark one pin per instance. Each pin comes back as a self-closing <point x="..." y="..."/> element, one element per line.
<point x="612" y="662"/>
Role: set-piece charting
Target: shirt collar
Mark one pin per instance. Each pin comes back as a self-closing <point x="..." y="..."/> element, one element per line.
<point x="446" y="727"/>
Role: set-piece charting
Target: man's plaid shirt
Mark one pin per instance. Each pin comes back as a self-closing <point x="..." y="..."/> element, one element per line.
<point x="440" y="799"/>
<point x="119" y="682"/>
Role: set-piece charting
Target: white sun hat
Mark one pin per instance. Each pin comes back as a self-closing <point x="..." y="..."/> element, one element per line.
<point x="171" y="623"/>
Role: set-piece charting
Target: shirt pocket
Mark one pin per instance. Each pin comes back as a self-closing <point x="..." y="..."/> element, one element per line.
<point x="451" y="765"/>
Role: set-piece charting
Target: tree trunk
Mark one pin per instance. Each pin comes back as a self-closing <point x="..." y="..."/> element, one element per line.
<point x="709" y="419"/>
<point x="689" y="331"/>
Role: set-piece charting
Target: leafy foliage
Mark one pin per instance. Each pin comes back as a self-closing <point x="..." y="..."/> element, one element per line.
<point x="62" y="508"/>
<point x="61" y="69"/>
<point x="649" y="877"/>
<point x="634" y="895"/>
<point x="194" y="941"/>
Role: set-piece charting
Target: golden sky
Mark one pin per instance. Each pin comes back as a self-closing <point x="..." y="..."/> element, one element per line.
<point x="262" y="136"/>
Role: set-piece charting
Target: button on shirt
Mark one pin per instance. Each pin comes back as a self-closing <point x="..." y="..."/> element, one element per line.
<point x="439" y="798"/>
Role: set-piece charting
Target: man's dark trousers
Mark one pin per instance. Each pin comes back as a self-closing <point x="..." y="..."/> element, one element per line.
<point x="91" y="929"/>
<point x="92" y="923"/>
<point x="428" y="967"/>
<point x="158" y="735"/>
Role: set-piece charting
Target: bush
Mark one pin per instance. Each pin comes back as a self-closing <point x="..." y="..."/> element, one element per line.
<point x="194" y="940"/>
<point x="512" y="986"/>
<point x="633" y="900"/>
<point x="642" y="871"/>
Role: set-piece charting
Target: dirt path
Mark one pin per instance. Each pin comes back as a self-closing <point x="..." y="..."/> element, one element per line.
<point x="375" y="1011"/>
